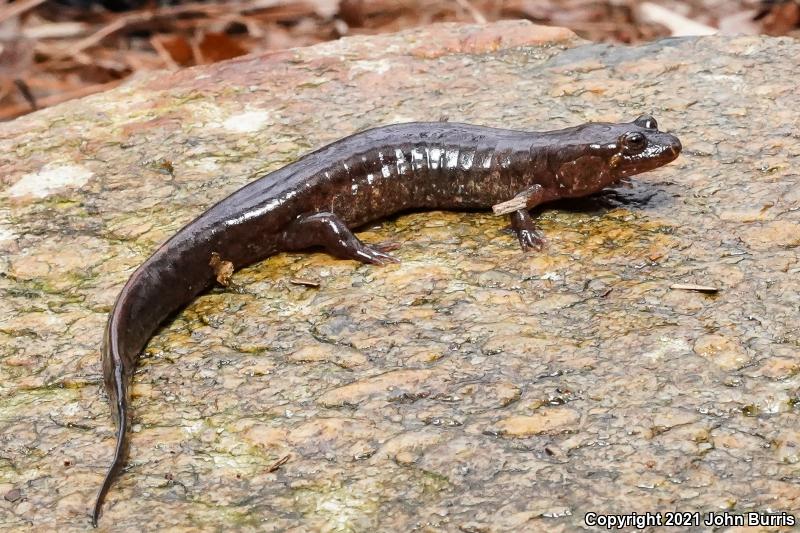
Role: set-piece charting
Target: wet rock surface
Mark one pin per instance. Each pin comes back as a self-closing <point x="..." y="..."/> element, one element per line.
<point x="470" y="387"/>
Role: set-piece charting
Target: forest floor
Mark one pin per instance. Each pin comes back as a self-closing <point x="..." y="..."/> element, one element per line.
<point x="51" y="52"/>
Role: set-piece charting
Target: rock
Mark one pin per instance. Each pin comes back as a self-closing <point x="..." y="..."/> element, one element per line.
<point x="406" y="447"/>
<point x="339" y="355"/>
<point x="263" y="435"/>
<point x="722" y="350"/>
<point x="12" y="495"/>
<point x="788" y="447"/>
<point x="477" y="397"/>
<point x="779" y="367"/>
<point x="397" y="384"/>
<point x="331" y="433"/>
<point x="382" y="386"/>
<point x="544" y="421"/>
<point x="772" y="234"/>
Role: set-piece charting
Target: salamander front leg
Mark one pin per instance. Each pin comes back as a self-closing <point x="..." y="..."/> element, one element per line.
<point x="529" y="235"/>
<point x="530" y="238"/>
<point x="330" y="232"/>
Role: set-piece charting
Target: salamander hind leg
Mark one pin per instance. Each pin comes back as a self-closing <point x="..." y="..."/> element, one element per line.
<point x="330" y="232"/>
<point x="529" y="235"/>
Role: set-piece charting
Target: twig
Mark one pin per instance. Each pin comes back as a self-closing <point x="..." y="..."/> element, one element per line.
<point x="279" y="463"/>
<point x="18" y="8"/>
<point x="107" y="30"/>
<point x="26" y="92"/>
<point x="515" y="204"/>
<point x="677" y="24"/>
<point x="476" y="15"/>
<point x="55" y="30"/>
<point x="17" y="110"/>
<point x="305" y="282"/>
<point x="163" y="53"/>
<point x="138" y="17"/>
<point x="692" y="287"/>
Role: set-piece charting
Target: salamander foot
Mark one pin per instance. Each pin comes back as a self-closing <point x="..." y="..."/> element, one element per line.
<point x="329" y="231"/>
<point x="529" y="235"/>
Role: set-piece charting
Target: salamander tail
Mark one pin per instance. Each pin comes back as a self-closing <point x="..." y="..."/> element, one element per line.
<point x="114" y="469"/>
<point x="117" y="381"/>
<point x="174" y="275"/>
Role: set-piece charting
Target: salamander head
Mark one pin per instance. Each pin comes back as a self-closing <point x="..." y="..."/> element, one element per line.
<point x="607" y="153"/>
<point x="642" y="147"/>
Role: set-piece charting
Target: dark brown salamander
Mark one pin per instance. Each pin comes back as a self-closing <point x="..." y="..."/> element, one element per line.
<point x="367" y="176"/>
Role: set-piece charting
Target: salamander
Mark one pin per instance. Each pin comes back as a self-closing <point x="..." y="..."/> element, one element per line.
<point x="317" y="201"/>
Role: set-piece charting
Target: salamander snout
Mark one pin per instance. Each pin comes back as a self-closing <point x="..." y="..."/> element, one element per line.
<point x="672" y="147"/>
<point x="642" y="150"/>
<point x="676" y="146"/>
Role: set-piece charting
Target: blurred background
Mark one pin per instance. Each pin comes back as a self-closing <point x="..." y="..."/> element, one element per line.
<point x="52" y="51"/>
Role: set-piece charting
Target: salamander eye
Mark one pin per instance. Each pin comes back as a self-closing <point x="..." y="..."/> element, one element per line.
<point x="634" y="142"/>
<point x="647" y="122"/>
